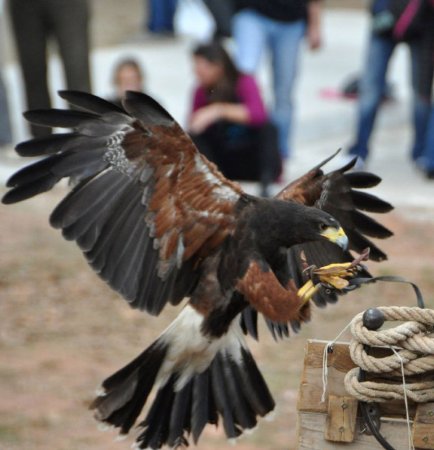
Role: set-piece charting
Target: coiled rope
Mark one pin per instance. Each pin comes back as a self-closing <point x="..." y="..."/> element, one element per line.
<point x="412" y="343"/>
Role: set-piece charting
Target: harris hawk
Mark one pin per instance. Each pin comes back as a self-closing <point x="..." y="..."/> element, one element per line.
<point x="160" y="224"/>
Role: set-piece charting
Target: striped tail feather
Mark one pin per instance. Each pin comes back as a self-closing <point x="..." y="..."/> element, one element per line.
<point x="234" y="391"/>
<point x="225" y="385"/>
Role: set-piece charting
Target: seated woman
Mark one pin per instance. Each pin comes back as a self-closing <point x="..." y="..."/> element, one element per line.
<point x="228" y="122"/>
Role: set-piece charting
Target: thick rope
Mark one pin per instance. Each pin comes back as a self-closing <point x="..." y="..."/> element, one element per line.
<point x="413" y="345"/>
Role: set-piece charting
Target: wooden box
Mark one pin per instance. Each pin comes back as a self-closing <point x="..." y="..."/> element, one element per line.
<point x="336" y="423"/>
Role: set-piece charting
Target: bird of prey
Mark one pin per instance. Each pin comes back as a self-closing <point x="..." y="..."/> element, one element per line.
<point x="161" y="225"/>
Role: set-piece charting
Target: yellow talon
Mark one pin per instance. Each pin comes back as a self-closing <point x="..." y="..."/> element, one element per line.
<point x="338" y="269"/>
<point x="307" y="291"/>
<point x="333" y="274"/>
<point x="336" y="274"/>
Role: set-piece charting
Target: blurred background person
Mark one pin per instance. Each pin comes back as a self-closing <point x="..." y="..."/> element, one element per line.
<point x="394" y="22"/>
<point x="277" y="26"/>
<point x="426" y="161"/>
<point x="5" y="124"/>
<point x="34" y="23"/>
<point x="160" y="16"/>
<point x="127" y="76"/>
<point x="228" y="121"/>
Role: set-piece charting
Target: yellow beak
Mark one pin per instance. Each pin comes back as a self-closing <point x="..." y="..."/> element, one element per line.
<point x="337" y="236"/>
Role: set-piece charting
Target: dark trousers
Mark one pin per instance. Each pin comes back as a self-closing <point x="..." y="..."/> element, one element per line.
<point x="5" y="124"/>
<point x="161" y="15"/>
<point x="241" y="152"/>
<point x="222" y="12"/>
<point x="34" y="23"/>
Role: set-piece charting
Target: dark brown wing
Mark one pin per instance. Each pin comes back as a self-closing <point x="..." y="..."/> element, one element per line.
<point x="337" y="193"/>
<point x="147" y="206"/>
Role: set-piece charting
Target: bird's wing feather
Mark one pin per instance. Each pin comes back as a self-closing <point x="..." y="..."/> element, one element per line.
<point x="146" y="207"/>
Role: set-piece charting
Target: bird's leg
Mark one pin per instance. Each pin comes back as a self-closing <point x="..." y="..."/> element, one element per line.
<point x="333" y="276"/>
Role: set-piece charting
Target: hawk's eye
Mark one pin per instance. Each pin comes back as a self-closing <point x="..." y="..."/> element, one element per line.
<point x="323" y="226"/>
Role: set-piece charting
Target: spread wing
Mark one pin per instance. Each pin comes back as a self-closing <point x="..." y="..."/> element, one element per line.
<point x="338" y="193"/>
<point x="146" y="207"/>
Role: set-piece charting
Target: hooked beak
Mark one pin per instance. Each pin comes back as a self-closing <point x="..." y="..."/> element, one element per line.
<point x="337" y="236"/>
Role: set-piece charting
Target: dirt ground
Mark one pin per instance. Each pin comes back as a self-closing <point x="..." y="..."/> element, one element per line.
<point x="62" y="331"/>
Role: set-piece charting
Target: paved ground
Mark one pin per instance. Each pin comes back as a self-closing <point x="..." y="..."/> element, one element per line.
<point x="322" y="124"/>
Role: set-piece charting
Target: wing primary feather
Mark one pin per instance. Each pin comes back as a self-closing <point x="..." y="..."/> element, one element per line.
<point x="89" y="102"/>
<point x="329" y="158"/>
<point x="349" y="165"/>
<point x="33" y="172"/>
<point x="129" y="260"/>
<point x="62" y="118"/>
<point x="149" y="284"/>
<point x="362" y="179"/>
<point x="86" y="197"/>
<point x="45" y="145"/>
<point x="146" y="109"/>
<point x="132" y="269"/>
<point x="120" y="210"/>
<point x="79" y="164"/>
<point x="359" y="243"/>
<point x="367" y="225"/>
<point x="92" y="230"/>
<point x="23" y="192"/>
<point x="123" y="242"/>
<point x="369" y="202"/>
<point x="114" y="243"/>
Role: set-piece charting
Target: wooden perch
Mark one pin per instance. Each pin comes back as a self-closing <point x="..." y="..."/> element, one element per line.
<point x="321" y="425"/>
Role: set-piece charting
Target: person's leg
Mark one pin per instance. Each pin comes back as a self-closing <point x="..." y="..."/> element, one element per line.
<point x="428" y="154"/>
<point x="284" y="43"/>
<point x="222" y="12"/>
<point x="250" y="36"/>
<point x="372" y="86"/>
<point x="30" y="33"/>
<point x="154" y="15"/>
<point x="422" y="65"/>
<point x="171" y="8"/>
<point x="5" y="125"/>
<point x="161" y="13"/>
<point x="270" y="163"/>
<point x="69" y="20"/>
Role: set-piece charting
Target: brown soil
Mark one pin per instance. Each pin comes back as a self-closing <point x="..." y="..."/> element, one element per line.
<point x="62" y="331"/>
